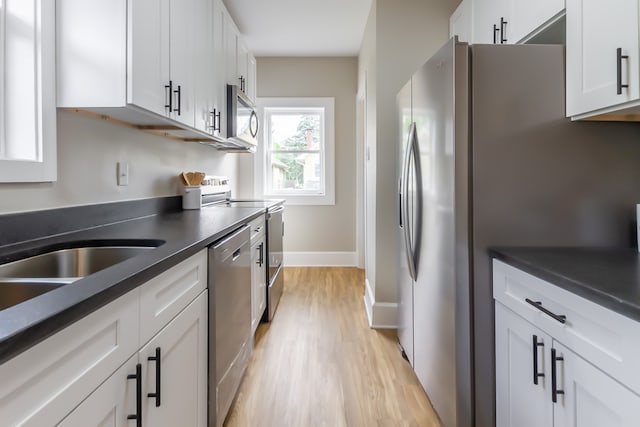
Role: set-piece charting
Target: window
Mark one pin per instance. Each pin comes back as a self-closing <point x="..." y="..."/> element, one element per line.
<point x="296" y="150"/>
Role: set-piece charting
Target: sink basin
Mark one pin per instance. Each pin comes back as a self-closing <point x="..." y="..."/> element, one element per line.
<point x="71" y="263"/>
<point x="15" y="292"/>
<point x="27" y="278"/>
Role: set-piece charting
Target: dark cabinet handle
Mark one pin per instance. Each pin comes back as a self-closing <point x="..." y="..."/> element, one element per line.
<point x="536" y="374"/>
<point x="619" y="58"/>
<point x="178" y="94"/>
<point x="156" y="359"/>
<point x="554" y="384"/>
<point x="169" y="96"/>
<point x="503" y="30"/>
<point x="495" y="34"/>
<point x="538" y="304"/>
<point x="216" y="115"/>
<point x="260" y="254"/>
<point x="138" y="377"/>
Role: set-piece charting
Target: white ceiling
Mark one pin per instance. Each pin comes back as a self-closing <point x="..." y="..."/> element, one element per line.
<point x="301" y="27"/>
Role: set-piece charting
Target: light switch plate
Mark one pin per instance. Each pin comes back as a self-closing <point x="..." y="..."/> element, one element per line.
<point x="123" y="173"/>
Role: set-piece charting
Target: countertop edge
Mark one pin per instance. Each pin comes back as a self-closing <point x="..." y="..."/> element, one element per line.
<point x="12" y="345"/>
<point x="590" y="293"/>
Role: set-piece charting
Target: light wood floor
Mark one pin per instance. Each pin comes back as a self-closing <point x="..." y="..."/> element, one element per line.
<point x="319" y="364"/>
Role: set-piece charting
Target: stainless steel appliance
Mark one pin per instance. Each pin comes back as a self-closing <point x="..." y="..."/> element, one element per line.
<point x="488" y="158"/>
<point x="216" y="193"/>
<point x="242" y="120"/>
<point x="275" y="279"/>
<point x="229" y="320"/>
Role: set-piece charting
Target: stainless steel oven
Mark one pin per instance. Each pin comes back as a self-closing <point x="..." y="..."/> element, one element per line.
<point x="275" y="279"/>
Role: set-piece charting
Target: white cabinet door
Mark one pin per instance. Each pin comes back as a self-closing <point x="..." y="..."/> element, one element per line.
<point x="220" y="69"/>
<point x="242" y="56"/>
<point x="590" y="397"/>
<point x="252" y="71"/>
<point x="182" y="62"/>
<point x="487" y="21"/>
<point x="522" y="359"/>
<point x="231" y="50"/>
<point x="258" y="282"/>
<point x="148" y="73"/>
<point x="460" y="22"/>
<point x="110" y="404"/>
<point x="178" y="380"/>
<point x="203" y="72"/>
<point x="27" y="93"/>
<point x="527" y="17"/>
<point x="595" y="31"/>
<point x="45" y="383"/>
<point x="166" y="295"/>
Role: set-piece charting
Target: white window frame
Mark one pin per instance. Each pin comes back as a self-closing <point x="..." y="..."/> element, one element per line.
<point x="327" y="154"/>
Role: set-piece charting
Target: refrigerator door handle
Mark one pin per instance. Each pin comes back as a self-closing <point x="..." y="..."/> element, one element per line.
<point x="408" y="228"/>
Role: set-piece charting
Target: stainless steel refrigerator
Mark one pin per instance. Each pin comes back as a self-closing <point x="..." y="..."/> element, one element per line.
<point x="486" y="157"/>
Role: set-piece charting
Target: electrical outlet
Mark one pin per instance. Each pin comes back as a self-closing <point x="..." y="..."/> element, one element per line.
<point x="122" y="169"/>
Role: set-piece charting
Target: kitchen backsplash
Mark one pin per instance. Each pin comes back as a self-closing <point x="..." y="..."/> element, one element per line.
<point x="88" y="151"/>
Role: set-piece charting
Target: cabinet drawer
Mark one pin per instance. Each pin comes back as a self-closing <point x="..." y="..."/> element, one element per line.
<point x="604" y="338"/>
<point x="257" y="228"/>
<point x="43" y="384"/>
<point x="163" y="297"/>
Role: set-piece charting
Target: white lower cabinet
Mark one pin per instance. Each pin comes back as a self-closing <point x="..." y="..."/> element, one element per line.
<point x="590" y="398"/>
<point x="178" y="380"/>
<point x="88" y="373"/>
<point x="523" y="380"/>
<point x="258" y="272"/>
<point x="560" y="358"/>
<point x="173" y="370"/>
<point x="110" y="404"/>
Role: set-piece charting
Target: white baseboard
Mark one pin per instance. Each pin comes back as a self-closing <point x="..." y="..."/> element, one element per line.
<point x="320" y="259"/>
<point x="381" y="315"/>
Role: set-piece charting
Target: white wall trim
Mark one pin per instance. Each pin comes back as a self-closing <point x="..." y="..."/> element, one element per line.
<point x="320" y="259"/>
<point x="369" y="300"/>
<point x="381" y="315"/>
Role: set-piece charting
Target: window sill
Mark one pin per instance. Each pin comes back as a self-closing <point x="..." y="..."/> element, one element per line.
<point x="303" y="200"/>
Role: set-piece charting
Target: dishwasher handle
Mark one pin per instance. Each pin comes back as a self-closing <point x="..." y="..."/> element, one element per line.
<point x="228" y="243"/>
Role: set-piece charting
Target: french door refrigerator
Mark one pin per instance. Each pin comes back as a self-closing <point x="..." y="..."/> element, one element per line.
<point x="486" y="158"/>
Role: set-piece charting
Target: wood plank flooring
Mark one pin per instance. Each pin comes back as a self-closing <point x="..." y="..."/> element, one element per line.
<point x="319" y="364"/>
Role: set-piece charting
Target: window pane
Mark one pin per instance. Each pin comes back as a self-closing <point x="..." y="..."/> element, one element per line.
<point x="295" y="171"/>
<point x="295" y="131"/>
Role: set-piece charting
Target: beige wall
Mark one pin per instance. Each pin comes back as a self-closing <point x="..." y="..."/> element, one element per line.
<point x="403" y="35"/>
<point x="88" y="150"/>
<point x="316" y="228"/>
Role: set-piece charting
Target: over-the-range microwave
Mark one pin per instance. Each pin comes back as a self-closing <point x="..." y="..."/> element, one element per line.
<point x="242" y="120"/>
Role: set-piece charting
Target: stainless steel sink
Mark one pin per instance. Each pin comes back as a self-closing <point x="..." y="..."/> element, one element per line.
<point x="70" y="263"/>
<point x="15" y="292"/>
<point x="27" y="278"/>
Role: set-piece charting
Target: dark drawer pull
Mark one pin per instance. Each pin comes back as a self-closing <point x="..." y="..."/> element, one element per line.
<point x="619" y="58"/>
<point x="554" y="376"/>
<point x="138" y="377"/>
<point x="158" y="361"/>
<point x="538" y="304"/>
<point x="536" y="374"/>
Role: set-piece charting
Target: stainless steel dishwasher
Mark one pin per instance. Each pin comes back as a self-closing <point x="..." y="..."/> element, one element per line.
<point x="229" y="320"/>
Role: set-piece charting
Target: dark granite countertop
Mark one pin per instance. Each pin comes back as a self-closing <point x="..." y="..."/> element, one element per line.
<point x="184" y="234"/>
<point x="607" y="276"/>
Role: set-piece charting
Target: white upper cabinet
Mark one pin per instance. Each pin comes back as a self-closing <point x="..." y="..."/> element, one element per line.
<point x="161" y="65"/>
<point x="512" y="21"/>
<point x="460" y="22"/>
<point x="182" y="59"/>
<point x="219" y="69"/>
<point x="490" y="20"/>
<point x="27" y="95"/>
<point x="602" y="57"/>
